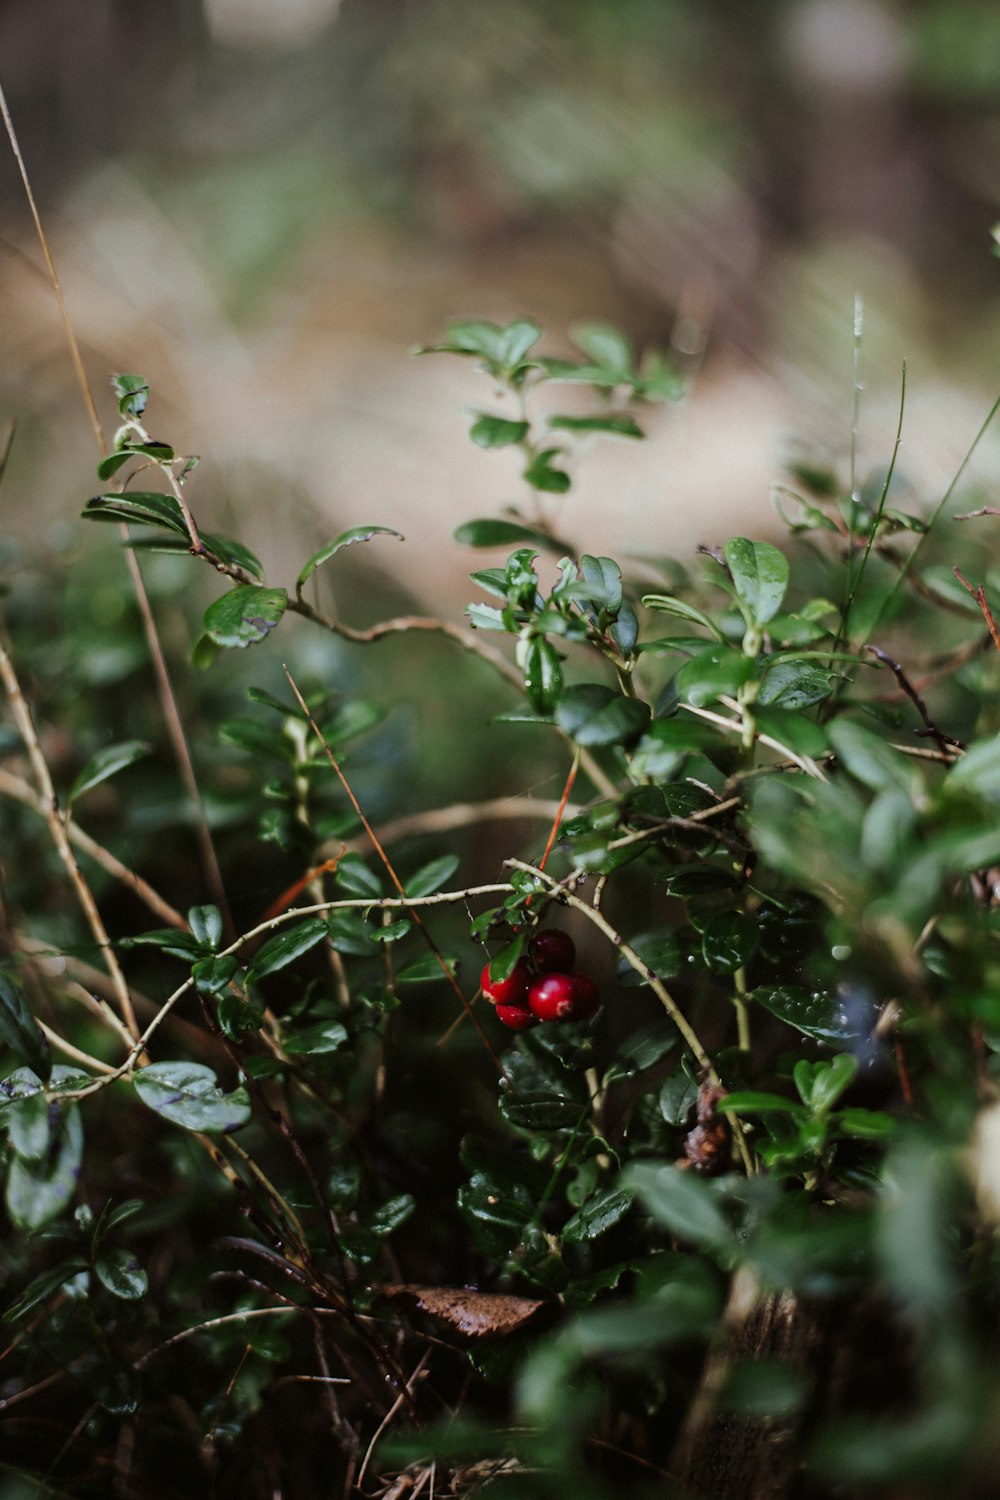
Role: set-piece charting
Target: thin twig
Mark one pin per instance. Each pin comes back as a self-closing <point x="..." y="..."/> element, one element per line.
<point x="942" y="741"/>
<point x="26" y="728"/>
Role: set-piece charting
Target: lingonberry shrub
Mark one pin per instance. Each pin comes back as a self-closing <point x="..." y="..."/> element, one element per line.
<point x="283" y="1200"/>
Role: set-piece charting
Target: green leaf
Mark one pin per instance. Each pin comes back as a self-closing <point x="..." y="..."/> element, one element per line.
<point x="592" y="714"/>
<point x="206" y="925"/>
<point x="233" y="553"/>
<point x="667" y="604"/>
<point x="39" y="1191"/>
<point x="539" y="1111"/>
<point x="821" y="1084"/>
<point x="138" y="508"/>
<point x="758" y="1102"/>
<point x="660" y="951"/>
<point x="607" y="347"/>
<point x="425" y="970"/>
<point x="496" y="432"/>
<point x="978" y="770"/>
<point x="760" y="576"/>
<point x="345" y="539"/>
<point x="793" y="685"/>
<point x="106" y="763"/>
<point x="867" y="756"/>
<point x="28" y="1126"/>
<point x="668" y="742"/>
<point x="502" y="966"/>
<point x="801" y="735"/>
<point x="188" y="1094"/>
<point x="121" y="1273"/>
<point x="286" y="946"/>
<point x="389" y="1216"/>
<point x="20" y="1031"/>
<point x="491" y="532"/>
<point x="212" y="976"/>
<point x="682" y="1203"/>
<point x="727" y="941"/>
<point x="543" y="676"/>
<point x="258" y="739"/>
<point x="432" y="877"/>
<point x="718" y="671"/>
<point x="132" y="392"/>
<point x="604" y="576"/>
<point x="172" y="940"/>
<point x="323" y="1037"/>
<point x="245" y="615"/>
<point x="599" y="1214"/>
<point x="866" y="1124"/>
<point x="619" y="424"/>
<point x="354" y="877"/>
<point x="678" y="1096"/>
<point x="542" y="474"/>
<point x="497" y="1219"/>
<point x="815" y="1013"/>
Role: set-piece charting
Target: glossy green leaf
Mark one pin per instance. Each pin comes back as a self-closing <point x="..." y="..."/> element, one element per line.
<point x="245" y="615"/>
<point x="760" y="575"/>
<point x="820" y="1084"/>
<point x="801" y="735"/>
<point x="502" y="966"/>
<point x="604" y="576"/>
<point x="286" y="946"/>
<point x="234" y="554"/>
<point x="592" y="715"/>
<point x="496" y="432"/>
<point x="39" y="1191"/>
<point x="727" y="940"/>
<point x="172" y="940"/>
<point x="678" y="1097"/>
<point x="543" y="675"/>
<point x="497" y="1219"/>
<point x="206" y="925"/>
<point x="600" y="1213"/>
<point x="20" y="1032"/>
<point x="389" y="1216"/>
<point x="668" y="742"/>
<point x="258" y="739"/>
<point x="323" y="1037"/>
<point x="719" y="671"/>
<point x="538" y="1111"/>
<point x="121" y="1273"/>
<point x="212" y="976"/>
<point x="355" y="878"/>
<point x="793" y="685"/>
<point x="188" y="1094"/>
<point x="815" y="1013"/>
<point x="345" y="539"/>
<point x="138" y="508"/>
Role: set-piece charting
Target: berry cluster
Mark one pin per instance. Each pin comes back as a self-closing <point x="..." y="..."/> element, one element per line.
<point x="544" y="987"/>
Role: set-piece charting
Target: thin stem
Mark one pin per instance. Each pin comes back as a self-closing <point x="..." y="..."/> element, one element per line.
<point x="26" y="728"/>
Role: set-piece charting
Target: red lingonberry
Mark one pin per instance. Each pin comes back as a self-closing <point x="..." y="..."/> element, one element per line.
<point x="552" y="951"/>
<point x="552" y="997"/>
<point x="510" y="991"/>
<point x="516" y="1017"/>
<point x="586" y="996"/>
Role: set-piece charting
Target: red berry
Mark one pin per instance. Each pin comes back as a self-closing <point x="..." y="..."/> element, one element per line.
<point x="516" y="1017"/>
<point x="510" y="991"/>
<point x="552" y="997"/>
<point x="586" y="996"/>
<point x="553" y="951"/>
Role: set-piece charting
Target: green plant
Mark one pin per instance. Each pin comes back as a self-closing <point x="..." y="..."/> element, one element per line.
<point x="274" y="1165"/>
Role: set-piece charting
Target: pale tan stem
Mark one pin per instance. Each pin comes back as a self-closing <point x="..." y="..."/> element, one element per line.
<point x="22" y="791"/>
<point x="26" y="728"/>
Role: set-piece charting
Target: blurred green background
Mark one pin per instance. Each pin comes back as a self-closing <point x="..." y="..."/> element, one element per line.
<point x="263" y="207"/>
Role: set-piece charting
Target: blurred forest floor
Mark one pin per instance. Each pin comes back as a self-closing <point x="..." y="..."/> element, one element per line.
<point x="266" y="222"/>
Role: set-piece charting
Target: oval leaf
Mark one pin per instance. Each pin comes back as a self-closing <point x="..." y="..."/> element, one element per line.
<point x="595" y="715"/>
<point x="245" y="615"/>
<point x="760" y="573"/>
<point x="121" y="1273"/>
<point x="138" y="508"/>
<point x="188" y="1094"/>
<point x="38" y="1192"/>
<point x="599" y="1214"/>
<point x="433" y="876"/>
<point x="287" y="946"/>
<point x="106" y="763"/>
